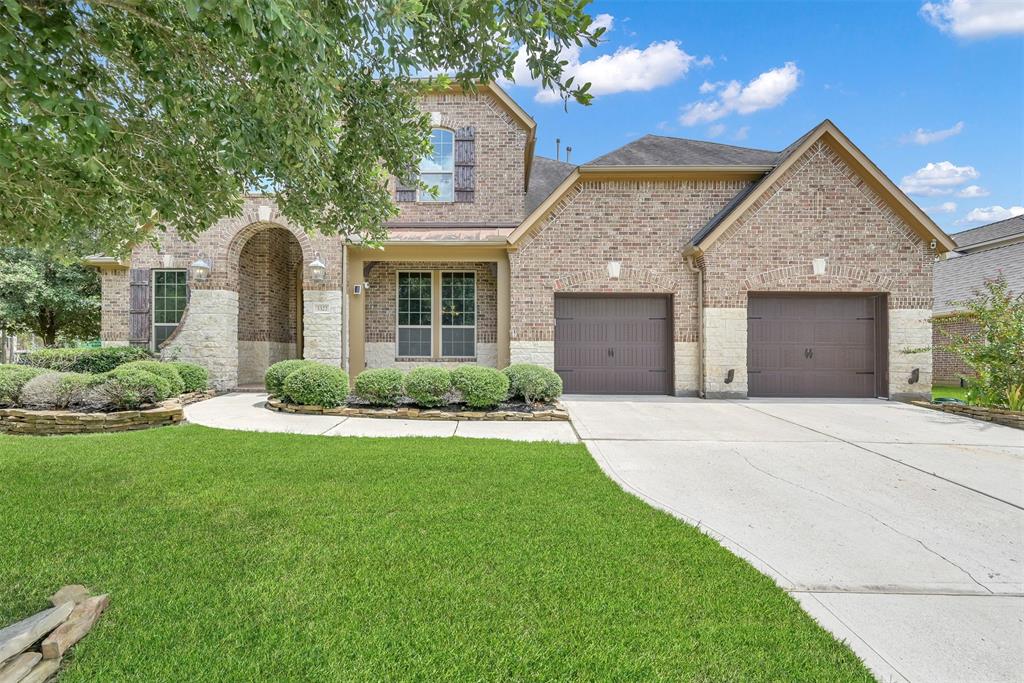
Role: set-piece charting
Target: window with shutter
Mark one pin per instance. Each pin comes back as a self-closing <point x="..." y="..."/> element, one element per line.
<point x="138" y="307"/>
<point x="465" y="161"/>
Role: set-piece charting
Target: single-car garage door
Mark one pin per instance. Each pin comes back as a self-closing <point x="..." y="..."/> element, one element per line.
<point x="613" y="344"/>
<point x="816" y="345"/>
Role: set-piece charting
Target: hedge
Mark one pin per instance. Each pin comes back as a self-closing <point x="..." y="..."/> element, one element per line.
<point x="316" y="384"/>
<point x="480" y="387"/>
<point x="195" y="377"/>
<point x="86" y="360"/>
<point x="533" y="383"/>
<point x="428" y="385"/>
<point x="13" y="378"/>
<point x="274" y="378"/>
<point x="165" y="370"/>
<point x="380" y="386"/>
<point x="130" y="388"/>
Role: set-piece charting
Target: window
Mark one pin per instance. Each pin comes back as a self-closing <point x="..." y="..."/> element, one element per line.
<point x="437" y="169"/>
<point x="458" y="314"/>
<point x="415" y="296"/>
<point x="170" y="296"/>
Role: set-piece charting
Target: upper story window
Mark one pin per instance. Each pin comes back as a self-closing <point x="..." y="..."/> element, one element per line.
<point x="437" y="169"/>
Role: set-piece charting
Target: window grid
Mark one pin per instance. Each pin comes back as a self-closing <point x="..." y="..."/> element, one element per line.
<point x="170" y="296"/>
<point x="414" y="314"/>
<point x="437" y="169"/>
<point x="458" y="315"/>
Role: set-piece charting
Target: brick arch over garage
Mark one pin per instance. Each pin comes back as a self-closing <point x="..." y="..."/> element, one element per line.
<point x="629" y="281"/>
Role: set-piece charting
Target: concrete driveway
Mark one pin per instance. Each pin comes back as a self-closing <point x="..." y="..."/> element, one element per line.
<point x="900" y="529"/>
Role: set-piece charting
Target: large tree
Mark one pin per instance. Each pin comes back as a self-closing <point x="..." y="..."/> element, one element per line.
<point x="53" y="300"/>
<point x="121" y="117"/>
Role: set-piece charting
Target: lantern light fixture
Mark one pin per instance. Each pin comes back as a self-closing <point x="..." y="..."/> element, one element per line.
<point x="317" y="269"/>
<point x="614" y="269"/>
<point x="200" y="269"/>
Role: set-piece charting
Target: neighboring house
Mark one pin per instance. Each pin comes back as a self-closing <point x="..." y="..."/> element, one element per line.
<point x="667" y="266"/>
<point x="981" y="254"/>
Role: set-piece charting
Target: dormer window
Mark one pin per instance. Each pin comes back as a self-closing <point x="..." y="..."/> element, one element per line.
<point x="437" y="169"/>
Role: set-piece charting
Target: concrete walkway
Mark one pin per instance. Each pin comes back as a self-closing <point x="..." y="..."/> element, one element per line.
<point x="898" y="528"/>
<point x="245" y="412"/>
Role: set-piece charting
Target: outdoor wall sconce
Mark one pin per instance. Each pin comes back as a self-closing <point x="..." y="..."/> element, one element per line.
<point x="317" y="269"/>
<point x="200" y="269"/>
<point x="915" y="375"/>
<point x="729" y="376"/>
<point x="819" y="265"/>
<point x="614" y="269"/>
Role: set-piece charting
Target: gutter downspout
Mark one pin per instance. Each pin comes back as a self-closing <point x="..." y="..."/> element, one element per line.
<point x="691" y="263"/>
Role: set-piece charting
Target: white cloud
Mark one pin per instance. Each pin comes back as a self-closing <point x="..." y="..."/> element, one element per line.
<point x="927" y="137"/>
<point x="936" y="179"/>
<point x="944" y="207"/>
<point x="716" y="129"/>
<point x="973" y="191"/>
<point x="707" y="87"/>
<point x="990" y="214"/>
<point x="768" y="90"/>
<point x="975" y="18"/>
<point x="628" y="69"/>
<point x="741" y="133"/>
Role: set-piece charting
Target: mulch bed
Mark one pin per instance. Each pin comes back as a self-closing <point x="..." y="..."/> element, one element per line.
<point x="513" y="411"/>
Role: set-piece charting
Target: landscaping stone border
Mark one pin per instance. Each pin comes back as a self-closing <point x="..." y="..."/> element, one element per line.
<point x="554" y="413"/>
<point x="1001" y="416"/>
<point x="49" y="422"/>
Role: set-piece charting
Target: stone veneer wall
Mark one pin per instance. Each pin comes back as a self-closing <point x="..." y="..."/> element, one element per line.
<point x="949" y="367"/>
<point x="500" y="145"/>
<point x="643" y="224"/>
<point x="820" y="208"/>
<point x="381" y="317"/>
<point x="208" y="336"/>
<point x="322" y="323"/>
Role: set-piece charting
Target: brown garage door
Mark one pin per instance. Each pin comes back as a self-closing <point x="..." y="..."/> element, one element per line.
<point x="815" y="346"/>
<point x="613" y="344"/>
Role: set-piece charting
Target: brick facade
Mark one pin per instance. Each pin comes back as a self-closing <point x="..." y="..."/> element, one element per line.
<point x="499" y="169"/>
<point x="114" y="307"/>
<point x="267" y="282"/>
<point x="949" y="367"/>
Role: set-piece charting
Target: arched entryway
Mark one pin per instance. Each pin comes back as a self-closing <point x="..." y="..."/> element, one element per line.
<point x="269" y="302"/>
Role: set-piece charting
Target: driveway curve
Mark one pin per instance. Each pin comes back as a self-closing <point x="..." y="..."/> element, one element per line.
<point x="899" y="528"/>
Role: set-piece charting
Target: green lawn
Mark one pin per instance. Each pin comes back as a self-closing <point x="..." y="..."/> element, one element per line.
<point x="271" y="557"/>
<point x="949" y="392"/>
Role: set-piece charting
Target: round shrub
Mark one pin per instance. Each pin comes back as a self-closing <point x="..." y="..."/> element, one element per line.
<point x="195" y="377"/>
<point x="316" y="384"/>
<point x="126" y="388"/>
<point x="13" y="378"/>
<point x="55" y="390"/>
<point x="165" y="370"/>
<point x="276" y="374"/>
<point x="533" y="383"/>
<point x="380" y="386"/>
<point x="480" y="387"/>
<point x="428" y="385"/>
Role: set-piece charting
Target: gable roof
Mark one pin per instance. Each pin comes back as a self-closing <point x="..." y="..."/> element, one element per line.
<point x="1000" y="230"/>
<point x="959" y="277"/>
<point x="545" y="176"/>
<point x="918" y="220"/>
<point x="660" y="150"/>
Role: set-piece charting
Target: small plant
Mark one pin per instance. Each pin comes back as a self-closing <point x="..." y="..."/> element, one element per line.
<point x="533" y="383"/>
<point x="380" y="386"/>
<point x="165" y="370"/>
<point x="56" y="390"/>
<point x="273" y="380"/>
<point x="92" y="361"/>
<point x="428" y="385"/>
<point x="195" y="377"/>
<point x="316" y="384"/>
<point x="1015" y="397"/>
<point x="12" y="379"/>
<point x="480" y="387"/>
<point x="130" y="388"/>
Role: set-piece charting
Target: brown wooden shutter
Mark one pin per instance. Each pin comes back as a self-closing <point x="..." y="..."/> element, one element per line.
<point x="138" y="307"/>
<point x="465" y="162"/>
<point x="405" y="191"/>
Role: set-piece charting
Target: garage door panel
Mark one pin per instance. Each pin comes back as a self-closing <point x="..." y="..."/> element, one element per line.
<point x="613" y="345"/>
<point x="811" y="345"/>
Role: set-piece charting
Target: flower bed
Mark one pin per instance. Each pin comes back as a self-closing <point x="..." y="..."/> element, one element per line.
<point x="511" y="412"/>
<point x="1001" y="416"/>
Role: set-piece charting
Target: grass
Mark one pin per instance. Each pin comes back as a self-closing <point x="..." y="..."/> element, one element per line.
<point x="233" y="556"/>
<point x="949" y="392"/>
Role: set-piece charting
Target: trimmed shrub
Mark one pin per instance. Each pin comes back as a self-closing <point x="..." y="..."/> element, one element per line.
<point x="380" y="386"/>
<point x="480" y="387"/>
<point x="86" y="360"/>
<point x="128" y="389"/>
<point x="533" y="383"/>
<point x="56" y="390"/>
<point x="316" y="384"/>
<point x="278" y="372"/>
<point x="428" y="385"/>
<point x="195" y="377"/>
<point x="165" y="370"/>
<point x="13" y="378"/>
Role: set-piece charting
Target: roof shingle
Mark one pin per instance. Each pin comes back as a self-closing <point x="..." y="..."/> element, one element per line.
<point x="659" y="150"/>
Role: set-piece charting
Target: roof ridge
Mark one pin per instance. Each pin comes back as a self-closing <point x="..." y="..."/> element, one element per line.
<point x="707" y="142"/>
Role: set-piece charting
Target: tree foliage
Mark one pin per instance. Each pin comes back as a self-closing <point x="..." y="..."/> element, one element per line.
<point x="996" y="351"/>
<point x="122" y="117"/>
<point x="54" y="300"/>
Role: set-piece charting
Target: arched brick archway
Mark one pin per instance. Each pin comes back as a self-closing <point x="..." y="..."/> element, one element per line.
<point x="247" y="232"/>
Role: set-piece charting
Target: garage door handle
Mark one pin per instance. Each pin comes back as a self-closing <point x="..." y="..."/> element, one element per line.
<point x="611" y="353"/>
<point x="808" y="353"/>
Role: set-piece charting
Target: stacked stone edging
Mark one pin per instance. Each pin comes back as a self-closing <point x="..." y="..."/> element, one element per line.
<point x="48" y="422"/>
<point x="1001" y="416"/>
<point x="552" y="414"/>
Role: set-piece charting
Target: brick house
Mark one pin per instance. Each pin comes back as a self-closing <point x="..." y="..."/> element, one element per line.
<point x="667" y="266"/>
<point x="982" y="253"/>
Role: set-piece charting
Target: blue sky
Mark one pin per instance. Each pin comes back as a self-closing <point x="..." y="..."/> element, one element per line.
<point x="932" y="92"/>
